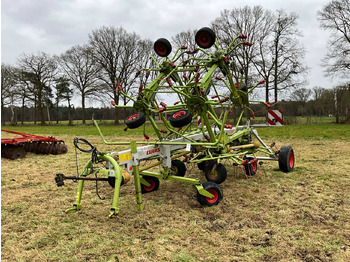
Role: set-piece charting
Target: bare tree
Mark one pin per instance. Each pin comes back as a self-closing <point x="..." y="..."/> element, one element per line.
<point x="287" y="55"/>
<point x="63" y="92"/>
<point x="135" y="56"/>
<point x="280" y="59"/>
<point x="186" y="39"/>
<point x="276" y="54"/>
<point x="39" y="70"/>
<point x="79" y="66"/>
<point x="9" y="92"/>
<point x="318" y="105"/>
<point x="247" y="21"/>
<point x="326" y="102"/>
<point x="28" y="92"/>
<point x="301" y="95"/>
<point x="118" y="53"/>
<point x="335" y="18"/>
<point x="342" y="103"/>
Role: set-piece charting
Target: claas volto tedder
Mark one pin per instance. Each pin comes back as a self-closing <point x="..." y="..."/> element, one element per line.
<point x="195" y="129"/>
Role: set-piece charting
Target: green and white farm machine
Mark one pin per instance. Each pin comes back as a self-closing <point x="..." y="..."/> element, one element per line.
<point x="193" y="130"/>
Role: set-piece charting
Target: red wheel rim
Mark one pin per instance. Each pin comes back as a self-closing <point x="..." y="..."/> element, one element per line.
<point x="151" y="187"/>
<point x="254" y="167"/>
<point x="160" y="49"/>
<point x="291" y="159"/>
<point x="179" y="114"/>
<point x="213" y="175"/>
<point x="203" y="39"/>
<point x="215" y="194"/>
<point x="134" y="116"/>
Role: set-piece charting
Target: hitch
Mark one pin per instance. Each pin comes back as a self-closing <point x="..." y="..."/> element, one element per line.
<point x="61" y="177"/>
<point x="59" y="180"/>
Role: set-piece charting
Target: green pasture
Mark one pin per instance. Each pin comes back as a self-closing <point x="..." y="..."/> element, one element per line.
<point x="315" y="131"/>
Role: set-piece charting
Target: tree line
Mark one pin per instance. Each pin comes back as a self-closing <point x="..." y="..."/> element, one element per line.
<point x="42" y="83"/>
<point x="315" y="102"/>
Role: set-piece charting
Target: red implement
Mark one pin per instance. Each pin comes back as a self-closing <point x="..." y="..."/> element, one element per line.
<point x="16" y="147"/>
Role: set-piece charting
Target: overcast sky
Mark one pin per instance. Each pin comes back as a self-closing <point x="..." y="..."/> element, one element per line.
<point x="30" y="26"/>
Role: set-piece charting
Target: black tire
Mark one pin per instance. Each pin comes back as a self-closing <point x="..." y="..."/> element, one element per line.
<point x="178" y="168"/>
<point x="205" y="37"/>
<point x="202" y="165"/>
<point x="162" y="47"/>
<point x="215" y="190"/>
<point x="216" y="173"/>
<point x="180" y="118"/>
<point x="286" y="159"/>
<point x="251" y="169"/>
<point x="135" y="120"/>
<point x="154" y="184"/>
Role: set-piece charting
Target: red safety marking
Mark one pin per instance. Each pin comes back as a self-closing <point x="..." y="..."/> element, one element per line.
<point x="275" y="116"/>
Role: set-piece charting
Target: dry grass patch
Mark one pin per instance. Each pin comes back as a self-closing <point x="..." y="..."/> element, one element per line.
<point x="300" y="216"/>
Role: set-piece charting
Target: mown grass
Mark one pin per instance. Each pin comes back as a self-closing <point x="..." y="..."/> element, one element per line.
<point x="299" y="216"/>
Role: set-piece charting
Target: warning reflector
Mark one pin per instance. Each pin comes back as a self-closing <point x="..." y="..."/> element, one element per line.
<point x="275" y="117"/>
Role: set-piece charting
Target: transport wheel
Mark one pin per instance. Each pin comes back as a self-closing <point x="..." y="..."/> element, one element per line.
<point x="154" y="184"/>
<point x="286" y="159"/>
<point x="162" y="47"/>
<point x="205" y="37"/>
<point x="250" y="169"/>
<point x="178" y="168"/>
<point x="216" y="173"/>
<point x="180" y="118"/>
<point x="203" y="165"/>
<point x="213" y="189"/>
<point x="135" y="120"/>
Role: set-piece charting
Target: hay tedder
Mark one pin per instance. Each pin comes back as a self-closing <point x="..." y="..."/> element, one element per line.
<point x="17" y="147"/>
<point x="195" y="129"/>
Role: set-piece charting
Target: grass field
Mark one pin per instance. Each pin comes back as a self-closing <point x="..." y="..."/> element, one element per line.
<point x="299" y="216"/>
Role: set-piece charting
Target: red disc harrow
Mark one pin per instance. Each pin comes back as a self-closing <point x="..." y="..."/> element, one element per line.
<point x="17" y="147"/>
